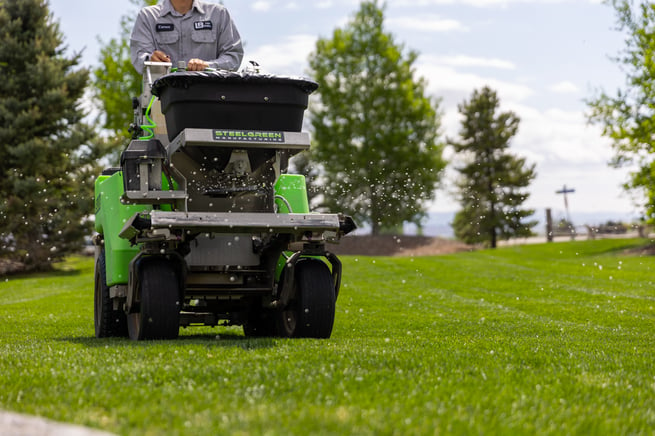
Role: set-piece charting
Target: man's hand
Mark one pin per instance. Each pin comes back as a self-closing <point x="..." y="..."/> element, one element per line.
<point x="197" y="65"/>
<point x="159" y="56"/>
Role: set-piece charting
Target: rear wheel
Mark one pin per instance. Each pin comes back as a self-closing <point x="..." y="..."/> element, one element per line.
<point x="310" y="314"/>
<point x="158" y="315"/>
<point x="108" y="322"/>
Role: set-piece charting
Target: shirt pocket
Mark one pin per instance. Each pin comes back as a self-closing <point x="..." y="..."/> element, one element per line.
<point x="167" y="38"/>
<point x="203" y="37"/>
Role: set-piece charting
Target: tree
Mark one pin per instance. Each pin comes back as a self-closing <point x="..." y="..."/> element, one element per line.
<point x="47" y="159"/>
<point x="374" y="131"/>
<point x="116" y="80"/>
<point x="492" y="181"/>
<point x="628" y="117"/>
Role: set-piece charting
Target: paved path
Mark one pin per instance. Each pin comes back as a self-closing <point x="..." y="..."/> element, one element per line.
<point x="13" y="424"/>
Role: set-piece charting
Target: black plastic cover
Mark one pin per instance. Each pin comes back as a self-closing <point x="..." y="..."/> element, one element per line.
<point x="229" y="100"/>
<point x="186" y="79"/>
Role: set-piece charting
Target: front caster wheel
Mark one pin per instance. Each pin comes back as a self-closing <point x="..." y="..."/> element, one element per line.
<point x="310" y="313"/>
<point x="158" y="314"/>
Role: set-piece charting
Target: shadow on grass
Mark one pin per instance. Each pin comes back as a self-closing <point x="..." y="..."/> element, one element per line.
<point x="625" y="248"/>
<point x="222" y="340"/>
<point x="52" y="274"/>
<point x="645" y="249"/>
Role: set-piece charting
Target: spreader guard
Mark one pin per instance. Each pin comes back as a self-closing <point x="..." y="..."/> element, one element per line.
<point x="332" y="226"/>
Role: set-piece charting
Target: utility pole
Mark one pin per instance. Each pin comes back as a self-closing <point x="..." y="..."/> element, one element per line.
<point x="566" y="201"/>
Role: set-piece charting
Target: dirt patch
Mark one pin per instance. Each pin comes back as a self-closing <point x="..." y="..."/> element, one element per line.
<point x="386" y="245"/>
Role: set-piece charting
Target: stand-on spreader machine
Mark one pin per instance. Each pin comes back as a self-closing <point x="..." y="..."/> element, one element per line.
<point x="201" y="225"/>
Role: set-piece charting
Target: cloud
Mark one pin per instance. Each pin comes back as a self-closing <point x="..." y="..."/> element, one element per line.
<point x="483" y="3"/>
<point x="454" y="85"/>
<point x="287" y="56"/>
<point x="555" y="138"/>
<point x="470" y="61"/>
<point x="429" y="23"/>
<point x="565" y="87"/>
<point x="262" y="6"/>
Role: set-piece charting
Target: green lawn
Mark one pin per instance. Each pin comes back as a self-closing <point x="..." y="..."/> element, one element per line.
<point x="546" y="339"/>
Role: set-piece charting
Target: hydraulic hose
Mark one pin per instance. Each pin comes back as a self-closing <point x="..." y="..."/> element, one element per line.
<point x="149" y="128"/>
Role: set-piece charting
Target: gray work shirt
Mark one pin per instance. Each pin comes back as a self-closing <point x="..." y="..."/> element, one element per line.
<point x="206" y="32"/>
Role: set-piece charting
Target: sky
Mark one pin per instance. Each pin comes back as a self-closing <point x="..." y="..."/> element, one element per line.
<point x="544" y="58"/>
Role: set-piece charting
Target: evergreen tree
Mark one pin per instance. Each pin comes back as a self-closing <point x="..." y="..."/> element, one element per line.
<point x="492" y="181"/>
<point x="375" y="132"/>
<point x="47" y="161"/>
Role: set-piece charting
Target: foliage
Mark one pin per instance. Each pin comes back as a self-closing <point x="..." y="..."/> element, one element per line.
<point x="565" y="227"/>
<point x="544" y="339"/>
<point x="628" y="116"/>
<point x="47" y="158"/>
<point x="116" y="81"/>
<point x="492" y="181"/>
<point x="375" y="131"/>
<point x="611" y="227"/>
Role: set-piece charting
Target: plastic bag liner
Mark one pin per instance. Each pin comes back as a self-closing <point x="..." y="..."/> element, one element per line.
<point x="234" y="101"/>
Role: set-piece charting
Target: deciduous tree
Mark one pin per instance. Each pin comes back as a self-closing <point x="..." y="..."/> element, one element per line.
<point x="628" y="116"/>
<point x="116" y="81"/>
<point x="375" y="131"/>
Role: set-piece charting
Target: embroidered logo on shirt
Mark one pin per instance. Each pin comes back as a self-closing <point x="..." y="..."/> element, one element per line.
<point x="165" y="27"/>
<point x="203" y="25"/>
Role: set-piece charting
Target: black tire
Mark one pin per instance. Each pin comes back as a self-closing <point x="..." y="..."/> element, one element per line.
<point x="311" y="313"/>
<point x="158" y="315"/>
<point x="108" y="322"/>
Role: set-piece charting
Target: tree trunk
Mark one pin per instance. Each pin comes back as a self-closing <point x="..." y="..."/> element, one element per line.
<point x="375" y="226"/>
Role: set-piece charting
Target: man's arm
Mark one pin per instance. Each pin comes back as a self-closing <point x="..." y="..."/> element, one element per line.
<point x="142" y="43"/>
<point x="229" y="50"/>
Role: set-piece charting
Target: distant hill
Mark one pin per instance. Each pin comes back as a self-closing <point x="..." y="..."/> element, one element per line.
<point x="439" y="223"/>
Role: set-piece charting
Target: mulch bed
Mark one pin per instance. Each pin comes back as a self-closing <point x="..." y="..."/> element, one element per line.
<point x="388" y="245"/>
<point x="10" y="267"/>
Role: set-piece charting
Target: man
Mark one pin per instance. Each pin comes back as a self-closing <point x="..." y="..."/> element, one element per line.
<point x="199" y="33"/>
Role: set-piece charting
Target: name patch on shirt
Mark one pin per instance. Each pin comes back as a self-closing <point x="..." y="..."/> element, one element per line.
<point x="203" y="25"/>
<point x="165" y="27"/>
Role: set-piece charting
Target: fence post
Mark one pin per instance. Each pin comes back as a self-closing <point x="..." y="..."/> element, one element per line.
<point x="549" y="225"/>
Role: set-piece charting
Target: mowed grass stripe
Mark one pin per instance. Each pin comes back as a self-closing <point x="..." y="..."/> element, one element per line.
<point x="545" y="339"/>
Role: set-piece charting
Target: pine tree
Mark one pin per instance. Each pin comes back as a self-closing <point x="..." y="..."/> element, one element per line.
<point x="492" y="181"/>
<point x="375" y="132"/>
<point x="47" y="161"/>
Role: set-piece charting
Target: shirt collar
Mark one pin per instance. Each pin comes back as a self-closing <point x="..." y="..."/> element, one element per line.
<point x="167" y="8"/>
<point x="197" y="5"/>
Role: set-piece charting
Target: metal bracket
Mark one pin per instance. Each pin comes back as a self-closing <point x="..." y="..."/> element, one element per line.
<point x="286" y="293"/>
